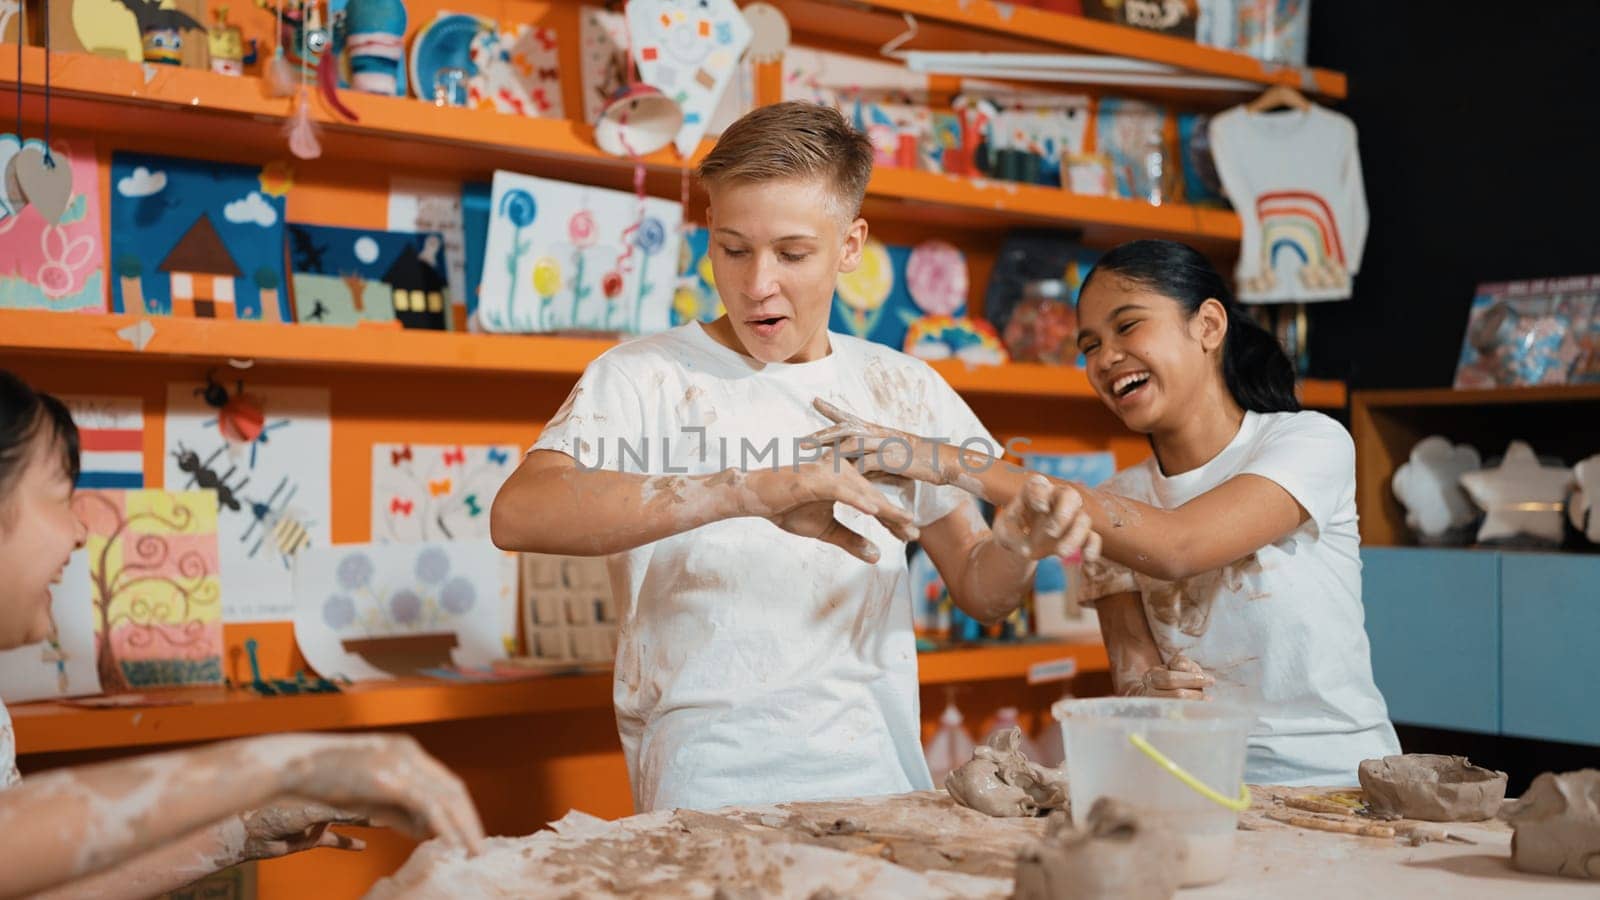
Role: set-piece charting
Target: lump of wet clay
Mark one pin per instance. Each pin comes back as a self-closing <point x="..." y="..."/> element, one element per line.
<point x="1119" y="856"/>
<point x="1557" y="825"/>
<point x="1432" y="788"/>
<point x="1000" y="781"/>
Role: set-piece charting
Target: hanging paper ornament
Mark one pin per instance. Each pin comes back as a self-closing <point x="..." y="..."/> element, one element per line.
<point x="638" y="121"/>
<point x="936" y="276"/>
<point x="769" y="32"/>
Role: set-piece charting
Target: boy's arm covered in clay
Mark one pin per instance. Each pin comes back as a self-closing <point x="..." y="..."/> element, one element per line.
<point x="552" y="505"/>
<point x="1137" y="668"/>
<point x="64" y="825"/>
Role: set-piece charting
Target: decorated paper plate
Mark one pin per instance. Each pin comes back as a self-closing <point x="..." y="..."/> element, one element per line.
<point x="936" y="276"/>
<point x="445" y="43"/>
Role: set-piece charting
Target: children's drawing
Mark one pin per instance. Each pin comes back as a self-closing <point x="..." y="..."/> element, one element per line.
<point x="696" y="298"/>
<point x="432" y="492"/>
<point x="879" y="300"/>
<point x="264" y="451"/>
<point x="344" y="276"/>
<point x="61" y="265"/>
<point x="63" y="665"/>
<point x="421" y="205"/>
<point x="570" y="257"/>
<point x="110" y="441"/>
<point x="517" y="71"/>
<point x="197" y="239"/>
<point x="156" y="595"/>
<point x="688" y="51"/>
<point x="373" y="611"/>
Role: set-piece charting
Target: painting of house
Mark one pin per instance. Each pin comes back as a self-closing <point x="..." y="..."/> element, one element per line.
<point x="367" y="277"/>
<point x="203" y="274"/>
<point x="420" y="291"/>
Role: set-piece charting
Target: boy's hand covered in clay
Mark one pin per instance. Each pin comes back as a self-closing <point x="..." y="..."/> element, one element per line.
<point x="280" y="829"/>
<point x="1181" y="679"/>
<point x="877" y="448"/>
<point x="801" y="502"/>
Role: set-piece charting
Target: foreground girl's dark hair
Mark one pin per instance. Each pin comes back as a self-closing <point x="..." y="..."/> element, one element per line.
<point x="23" y="411"/>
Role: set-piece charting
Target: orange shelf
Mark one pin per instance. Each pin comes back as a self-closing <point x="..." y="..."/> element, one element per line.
<point x="112" y="96"/>
<point x="209" y="714"/>
<point x="56" y="334"/>
<point x="1073" y="32"/>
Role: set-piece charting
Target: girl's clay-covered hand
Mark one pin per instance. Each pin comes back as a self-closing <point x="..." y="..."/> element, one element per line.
<point x="1047" y="519"/>
<point x="280" y="829"/>
<point x="1181" y="679"/>
<point x="878" y="448"/>
<point x="389" y="779"/>
<point x="800" y="501"/>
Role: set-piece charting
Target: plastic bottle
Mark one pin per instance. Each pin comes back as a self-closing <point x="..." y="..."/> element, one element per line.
<point x="950" y="747"/>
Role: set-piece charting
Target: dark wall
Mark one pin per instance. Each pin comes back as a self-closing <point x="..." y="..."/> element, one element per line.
<point x="1480" y="142"/>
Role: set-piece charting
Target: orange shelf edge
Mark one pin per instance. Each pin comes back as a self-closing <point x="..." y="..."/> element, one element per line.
<point x="514" y="138"/>
<point x="1106" y="37"/>
<point x="218" y="713"/>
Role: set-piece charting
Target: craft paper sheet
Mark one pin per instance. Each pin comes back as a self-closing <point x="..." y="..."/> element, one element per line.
<point x="197" y="239"/>
<point x="274" y="484"/>
<point x="603" y="36"/>
<point x="345" y="276"/>
<point x="64" y="667"/>
<point x="436" y="492"/>
<point x="688" y="51"/>
<point x="153" y="561"/>
<point x="571" y="257"/>
<point x="110" y="440"/>
<point x="518" y="72"/>
<point x="58" y="266"/>
<point x="449" y="594"/>
<point x="422" y="205"/>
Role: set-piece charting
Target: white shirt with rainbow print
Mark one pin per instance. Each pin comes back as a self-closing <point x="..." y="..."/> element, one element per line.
<point x="1294" y="176"/>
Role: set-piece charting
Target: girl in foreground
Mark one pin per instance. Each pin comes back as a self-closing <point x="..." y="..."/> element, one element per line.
<point x="144" y="826"/>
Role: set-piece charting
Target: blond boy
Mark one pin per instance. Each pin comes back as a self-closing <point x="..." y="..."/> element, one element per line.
<point x="766" y="652"/>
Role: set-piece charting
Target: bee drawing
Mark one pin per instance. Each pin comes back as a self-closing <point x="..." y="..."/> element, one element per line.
<point x="277" y="525"/>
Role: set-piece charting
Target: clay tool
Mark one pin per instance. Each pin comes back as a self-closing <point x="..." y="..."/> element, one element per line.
<point x="1315" y="823"/>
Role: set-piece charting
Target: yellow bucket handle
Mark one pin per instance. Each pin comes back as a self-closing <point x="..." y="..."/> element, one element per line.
<point x="1195" y="784"/>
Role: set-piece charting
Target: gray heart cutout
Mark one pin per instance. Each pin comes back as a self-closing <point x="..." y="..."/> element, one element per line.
<point x="47" y="185"/>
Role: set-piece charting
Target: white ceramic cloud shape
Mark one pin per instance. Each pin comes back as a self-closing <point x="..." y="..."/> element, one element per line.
<point x="1584" y="506"/>
<point x="1429" y="486"/>
<point x="1522" y="497"/>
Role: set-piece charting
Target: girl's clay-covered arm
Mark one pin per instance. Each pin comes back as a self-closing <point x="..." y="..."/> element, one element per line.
<point x="1137" y="668"/>
<point x="65" y="825"/>
<point x="551" y="505"/>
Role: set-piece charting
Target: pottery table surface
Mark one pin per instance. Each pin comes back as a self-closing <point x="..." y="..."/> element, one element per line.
<point x="925" y="845"/>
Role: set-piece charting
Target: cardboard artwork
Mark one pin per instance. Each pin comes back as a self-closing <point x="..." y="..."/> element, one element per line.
<point x="197" y="239"/>
<point x="348" y="276"/>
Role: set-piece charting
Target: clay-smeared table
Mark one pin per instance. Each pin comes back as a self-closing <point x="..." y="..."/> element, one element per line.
<point x="924" y="845"/>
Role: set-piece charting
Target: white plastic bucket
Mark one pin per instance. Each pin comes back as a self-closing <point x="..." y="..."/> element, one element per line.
<point x="1204" y="741"/>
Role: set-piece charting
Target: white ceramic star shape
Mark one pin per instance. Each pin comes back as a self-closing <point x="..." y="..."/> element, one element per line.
<point x="1584" y="507"/>
<point x="1521" y="496"/>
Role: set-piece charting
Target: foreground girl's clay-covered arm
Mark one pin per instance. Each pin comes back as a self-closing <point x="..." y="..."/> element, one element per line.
<point x="1137" y="668"/>
<point x="64" y="825"/>
<point x="551" y="505"/>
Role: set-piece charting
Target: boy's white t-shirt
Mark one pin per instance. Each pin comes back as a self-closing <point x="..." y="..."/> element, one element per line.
<point x="1295" y="179"/>
<point x="753" y="665"/>
<point x="1282" y="629"/>
<point x="8" y="750"/>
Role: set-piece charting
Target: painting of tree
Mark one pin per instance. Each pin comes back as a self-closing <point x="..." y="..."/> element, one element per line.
<point x="153" y="570"/>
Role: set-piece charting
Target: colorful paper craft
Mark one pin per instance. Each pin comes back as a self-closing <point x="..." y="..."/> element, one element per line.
<point x="61" y="265"/>
<point x="688" y="51"/>
<point x="436" y="492"/>
<point x="264" y="450"/>
<point x="157" y="606"/>
<point x="110" y="440"/>
<point x="877" y="300"/>
<point x="420" y="205"/>
<point x="569" y="257"/>
<point x="373" y="611"/>
<point x="64" y="665"/>
<point x="343" y="276"/>
<point x="197" y="239"/>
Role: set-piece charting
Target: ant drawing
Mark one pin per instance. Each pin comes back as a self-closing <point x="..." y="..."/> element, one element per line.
<point x="201" y="473"/>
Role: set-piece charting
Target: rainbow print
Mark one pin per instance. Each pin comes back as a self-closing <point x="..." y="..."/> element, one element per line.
<point x="1299" y="238"/>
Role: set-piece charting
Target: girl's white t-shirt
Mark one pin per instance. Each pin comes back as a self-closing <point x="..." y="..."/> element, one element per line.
<point x="1281" y="630"/>
<point x="755" y="666"/>
<point x="8" y="750"/>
